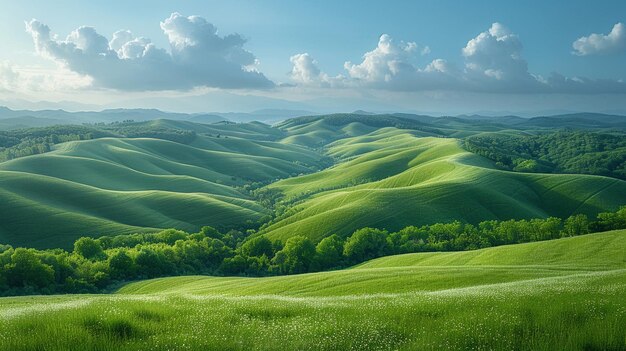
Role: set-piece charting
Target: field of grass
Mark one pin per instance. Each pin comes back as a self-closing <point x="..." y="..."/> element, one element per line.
<point x="392" y="178"/>
<point x="566" y="294"/>
<point x="117" y="185"/>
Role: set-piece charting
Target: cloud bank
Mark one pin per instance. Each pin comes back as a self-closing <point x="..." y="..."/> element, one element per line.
<point x="594" y="44"/>
<point x="198" y="57"/>
<point x="493" y="63"/>
<point x="20" y="79"/>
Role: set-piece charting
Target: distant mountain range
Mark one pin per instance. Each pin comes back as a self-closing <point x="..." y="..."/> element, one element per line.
<point x="18" y="119"/>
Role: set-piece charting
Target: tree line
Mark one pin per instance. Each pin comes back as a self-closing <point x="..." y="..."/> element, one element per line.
<point x="555" y="152"/>
<point x="33" y="141"/>
<point x="101" y="264"/>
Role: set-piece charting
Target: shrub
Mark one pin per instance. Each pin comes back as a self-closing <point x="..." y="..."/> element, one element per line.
<point x="365" y="244"/>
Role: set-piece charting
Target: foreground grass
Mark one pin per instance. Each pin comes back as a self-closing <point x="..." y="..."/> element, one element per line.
<point x="398" y="303"/>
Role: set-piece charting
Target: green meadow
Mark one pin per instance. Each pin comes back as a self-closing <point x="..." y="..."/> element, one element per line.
<point x="568" y="292"/>
<point x="221" y="216"/>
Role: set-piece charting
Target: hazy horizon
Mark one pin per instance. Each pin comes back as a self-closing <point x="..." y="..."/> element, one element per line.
<point x="244" y="56"/>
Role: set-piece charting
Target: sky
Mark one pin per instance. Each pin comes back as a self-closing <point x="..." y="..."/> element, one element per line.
<point x="437" y="57"/>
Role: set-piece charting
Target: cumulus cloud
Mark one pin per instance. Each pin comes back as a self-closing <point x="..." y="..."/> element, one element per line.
<point x="494" y="59"/>
<point x="198" y="57"/>
<point x="390" y="65"/>
<point x="602" y="43"/>
<point x="493" y="62"/>
<point x="384" y="62"/>
<point x="304" y="69"/>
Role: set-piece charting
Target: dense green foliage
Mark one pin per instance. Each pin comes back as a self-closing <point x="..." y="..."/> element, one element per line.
<point x="97" y="264"/>
<point x="555" y="152"/>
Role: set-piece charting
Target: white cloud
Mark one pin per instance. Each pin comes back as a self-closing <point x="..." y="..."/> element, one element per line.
<point x="384" y="62"/>
<point x="602" y="43"/>
<point x="22" y="79"/>
<point x="198" y="57"/>
<point x="304" y="69"/>
<point x="120" y="38"/>
<point x="493" y="62"/>
<point x="392" y="66"/>
<point x="8" y="76"/>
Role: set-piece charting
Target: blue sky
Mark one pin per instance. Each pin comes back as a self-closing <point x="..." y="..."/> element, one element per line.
<point x="539" y="35"/>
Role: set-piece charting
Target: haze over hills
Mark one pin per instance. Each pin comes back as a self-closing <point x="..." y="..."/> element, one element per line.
<point x="16" y="119"/>
<point x="11" y="119"/>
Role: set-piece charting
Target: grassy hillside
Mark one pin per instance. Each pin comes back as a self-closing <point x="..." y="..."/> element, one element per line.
<point x="124" y="185"/>
<point x="317" y="131"/>
<point x="600" y="251"/>
<point x="252" y="130"/>
<point x="390" y="179"/>
<point x="45" y="212"/>
<point x="527" y="297"/>
<point x="420" y="271"/>
<point x="391" y="171"/>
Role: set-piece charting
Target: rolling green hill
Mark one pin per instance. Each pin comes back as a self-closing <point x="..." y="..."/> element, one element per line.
<point x="124" y="185"/>
<point x="390" y="171"/>
<point x="567" y="292"/>
<point x="317" y="131"/>
<point x="391" y="179"/>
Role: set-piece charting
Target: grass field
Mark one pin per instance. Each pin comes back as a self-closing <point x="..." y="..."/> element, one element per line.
<point x="393" y="178"/>
<point x="567" y="293"/>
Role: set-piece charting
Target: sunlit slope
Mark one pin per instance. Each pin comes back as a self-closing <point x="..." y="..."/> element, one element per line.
<point x="164" y="158"/>
<point x="115" y="186"/>
<point x="598" y="251"/>
<point x="391" y="179"/>
<point x="421" y="271"/>
<point x="317" y="131"/>
<point x="381" y="154"/>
